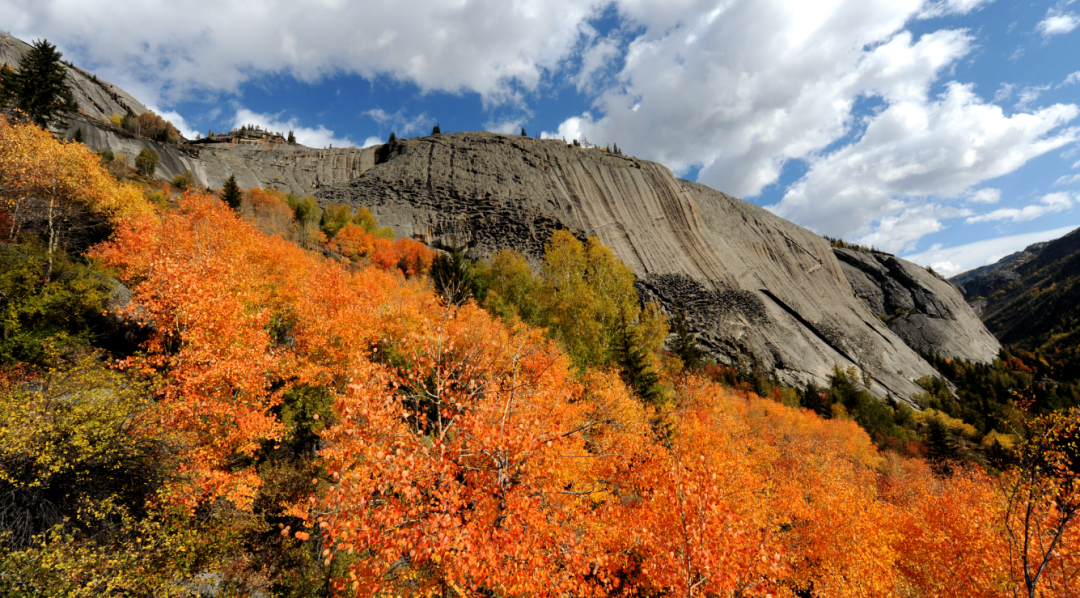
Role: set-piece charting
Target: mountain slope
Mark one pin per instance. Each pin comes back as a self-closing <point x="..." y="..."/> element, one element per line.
<point x="1040" y="307"/>
<point x="756" y="287"/>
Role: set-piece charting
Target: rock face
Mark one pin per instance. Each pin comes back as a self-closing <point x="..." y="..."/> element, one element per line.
<point x="755" y="287"/>
<point x="97" y="98"/>
<point x="924" y="310"/>
<point x="291" y="168"/>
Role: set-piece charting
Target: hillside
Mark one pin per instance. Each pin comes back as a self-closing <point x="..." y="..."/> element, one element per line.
<point x="1032" y="302"/>
<point x="759" y="291"/>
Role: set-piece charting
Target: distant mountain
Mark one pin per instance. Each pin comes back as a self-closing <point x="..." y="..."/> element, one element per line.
<point x="1032" y="299"/>
<point x="984" y="281"/>
<point x="758" y="290"/>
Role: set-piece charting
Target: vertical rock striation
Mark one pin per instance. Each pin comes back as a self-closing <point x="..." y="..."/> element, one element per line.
<point x="756" y="288"/>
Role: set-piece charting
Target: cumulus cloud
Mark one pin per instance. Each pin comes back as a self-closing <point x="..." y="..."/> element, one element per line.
<point x="317" y="137"/>
<point x="955" y="260"/>
<point x="1047" y="204"/>
<point x="914" y="149"/>
<point x="484" y="46"/>
<point x="1057" y="23"/>
<point x="177" y="121"/>
<point x="987" y="195"/>
<point x="400" y="122"/>
<point x="743" y="89"/>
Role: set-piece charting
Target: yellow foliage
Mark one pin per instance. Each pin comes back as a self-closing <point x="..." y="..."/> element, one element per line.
<point x="954" y="425"/>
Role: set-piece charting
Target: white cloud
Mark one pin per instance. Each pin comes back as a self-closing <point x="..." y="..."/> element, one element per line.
<point x="1071" y="79"/>
<point x="370" y="141"/>
<point x="760" y="84"/>
<point x="317" y="137"/>
<point x="955" y="260"/>
<point x="1029" y="95"/>
<point x="912" y="150"/>
<point x="595" y="61"/>
<point x="400" y="123"/>
<point x="987" y="195"/>
<point x="1004" y="92"/>
<point x="506" y="127"/>
<point x="177" y="121"/>
<point x="951" y="7"/>
<point x="1068" y="180"/>
<point x="1047" y="204"/>
<point x="485" y="46"/>
<point x="1057" y="23"/>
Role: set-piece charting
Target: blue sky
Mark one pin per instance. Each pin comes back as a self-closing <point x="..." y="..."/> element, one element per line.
<point x="942" y="130"/>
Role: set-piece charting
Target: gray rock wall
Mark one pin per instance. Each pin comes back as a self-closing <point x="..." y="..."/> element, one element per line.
<point x="290" y="168"/>
<point x="756" y="287"/>
<point x="925" y="311"/>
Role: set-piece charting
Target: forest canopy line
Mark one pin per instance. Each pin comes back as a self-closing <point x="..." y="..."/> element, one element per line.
<point x="306" y="413"/>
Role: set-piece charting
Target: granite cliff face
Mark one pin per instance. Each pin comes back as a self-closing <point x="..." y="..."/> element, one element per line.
<point x="291" y="168"/>
<point x="927" y="312"/>
<point x="756" y="288"/>
<point x="96" y="98"/>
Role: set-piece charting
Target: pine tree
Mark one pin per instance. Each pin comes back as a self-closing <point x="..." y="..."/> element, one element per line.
<point x="635" y="366"/>
<point x="942" y="448"/>
<point x="39" y="89"/>
<point x="523" y="133"/>
<point x="292" y="138"/>
<point x="230" y="193"/>
<point x="393" y="137"/>
<point x="815" y="399"/>
<point x="436" y="130"/>
<point x="685" y="343"/>
<point x="451" y="273"/>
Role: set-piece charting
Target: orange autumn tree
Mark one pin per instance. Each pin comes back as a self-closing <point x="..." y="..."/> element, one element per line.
<point x="463" y="455"/>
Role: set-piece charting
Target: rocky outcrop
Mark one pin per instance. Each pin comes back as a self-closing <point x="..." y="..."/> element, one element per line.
<point x="757" y="288"/>
<point x="924" y="310"/>
<point x="290" y="168"/>
<point x="97" y="98"/>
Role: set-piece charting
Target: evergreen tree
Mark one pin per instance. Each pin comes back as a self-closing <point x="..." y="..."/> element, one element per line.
<point x="230" y="193"/>
<point x="39" y="89"/>
<point x="635" y="367"/>
<point x="942" y="447"/>
<point x="814" y="399"/>
<point x="451" y="273"/>
<point x="292" y="138"/>
<point x="523" y="133"/>
<point x="685" y="343"/>
<point x="436" y="130"/>
<point x="393" y="137"/>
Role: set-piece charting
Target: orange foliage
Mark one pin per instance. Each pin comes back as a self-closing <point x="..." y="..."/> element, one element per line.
<point x="467" y="457"/>
<point x="406" y="255"/>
